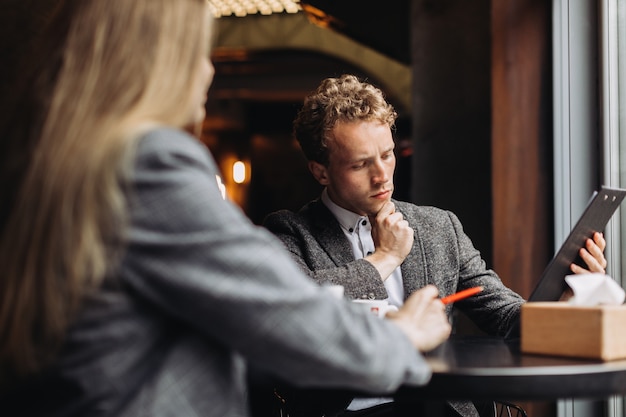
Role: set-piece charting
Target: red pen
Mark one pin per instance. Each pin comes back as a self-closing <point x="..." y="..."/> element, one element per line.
<point x="461" y="295"/>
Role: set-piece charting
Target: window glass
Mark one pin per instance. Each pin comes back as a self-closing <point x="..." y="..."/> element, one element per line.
<point x="621" y="112"/>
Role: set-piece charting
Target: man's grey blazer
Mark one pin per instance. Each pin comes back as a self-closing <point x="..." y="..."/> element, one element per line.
<point x="442" y="255"/>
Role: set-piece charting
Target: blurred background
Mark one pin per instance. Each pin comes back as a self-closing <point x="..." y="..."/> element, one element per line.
<point x="268" y="55"/>
<point x="451" y="80"/>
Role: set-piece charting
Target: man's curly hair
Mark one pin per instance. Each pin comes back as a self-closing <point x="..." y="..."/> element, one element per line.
<point x="338" y="100"/>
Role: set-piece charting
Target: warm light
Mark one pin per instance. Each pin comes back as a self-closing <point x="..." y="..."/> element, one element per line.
<point x="239" y="172"/>
<point x="241" y="8"/>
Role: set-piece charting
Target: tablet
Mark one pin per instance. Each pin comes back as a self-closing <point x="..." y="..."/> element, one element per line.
<point x="594" y="218"/>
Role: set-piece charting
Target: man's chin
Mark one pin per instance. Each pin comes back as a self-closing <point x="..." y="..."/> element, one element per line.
<point x="375" y="209"/>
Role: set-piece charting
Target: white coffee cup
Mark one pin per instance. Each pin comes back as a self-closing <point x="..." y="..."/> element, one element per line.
<point x="379" y="308"/>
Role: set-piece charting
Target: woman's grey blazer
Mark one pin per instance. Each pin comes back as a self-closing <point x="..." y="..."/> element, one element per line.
<point x="199" y="293"/>
<point x="442" y="255"/>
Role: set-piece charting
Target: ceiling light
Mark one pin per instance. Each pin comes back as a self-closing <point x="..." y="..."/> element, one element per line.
<point x="242" y="8"/>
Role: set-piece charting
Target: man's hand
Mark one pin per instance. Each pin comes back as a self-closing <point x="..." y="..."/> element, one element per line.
<point x="393" y="239"/>
<point x="423" y="319"/>
<point x="593" y="255"/>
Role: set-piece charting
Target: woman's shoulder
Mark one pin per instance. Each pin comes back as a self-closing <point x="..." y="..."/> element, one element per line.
<point x="168" y="146"/>
<point x="168" y="139"/>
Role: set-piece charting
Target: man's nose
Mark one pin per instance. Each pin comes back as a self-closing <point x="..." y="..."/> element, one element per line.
<point x="379" y="173"/>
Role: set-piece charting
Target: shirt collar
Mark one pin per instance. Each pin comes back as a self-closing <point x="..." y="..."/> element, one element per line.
<point x="346" y="218"/>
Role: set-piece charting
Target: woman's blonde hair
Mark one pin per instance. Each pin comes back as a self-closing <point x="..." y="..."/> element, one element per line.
<point x="111" y="68"/>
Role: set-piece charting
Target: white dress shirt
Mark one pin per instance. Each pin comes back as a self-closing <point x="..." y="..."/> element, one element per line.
<point x="358" y="230"/>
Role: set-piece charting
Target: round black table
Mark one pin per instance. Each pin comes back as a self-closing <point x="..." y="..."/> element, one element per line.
<point x="483" y="368"/>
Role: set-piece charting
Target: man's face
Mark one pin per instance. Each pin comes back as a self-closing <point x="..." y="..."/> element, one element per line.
<point x="359" y="175"/>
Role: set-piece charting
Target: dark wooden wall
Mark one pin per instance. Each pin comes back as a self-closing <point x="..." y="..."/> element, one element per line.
<point x="482" y="127"/>
<point x="482" y="110"/>
<point x="451" y="108"/>
<point x="522" y="146"/>
<point x="521" y="141"/>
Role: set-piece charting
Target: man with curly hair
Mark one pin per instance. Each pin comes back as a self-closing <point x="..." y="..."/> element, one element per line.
<point x="358" y="236"/>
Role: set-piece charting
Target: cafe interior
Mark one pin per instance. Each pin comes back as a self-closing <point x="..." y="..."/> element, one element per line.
<point x="504" y="114"/>
<point x="510" y="114"/>
<point x="468" y="83"/>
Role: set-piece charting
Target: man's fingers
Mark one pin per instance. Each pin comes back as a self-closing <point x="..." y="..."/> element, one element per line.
<point x="395" y="218"/>
<point x="388" y="208"/>
<point x="598" y="238"/>
<point x="577" y="269"/>
<point x="593" y="263"/>
<point x="595" y="253"/>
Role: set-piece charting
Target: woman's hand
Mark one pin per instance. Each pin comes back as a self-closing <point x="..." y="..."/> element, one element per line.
<point x="423" y="319"/>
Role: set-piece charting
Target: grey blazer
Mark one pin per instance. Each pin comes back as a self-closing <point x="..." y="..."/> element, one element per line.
<point x="442" y="255"/>
<point x="199" y="293"/>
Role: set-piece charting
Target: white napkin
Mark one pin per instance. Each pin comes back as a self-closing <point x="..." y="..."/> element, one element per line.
<point x="595" y="289"/>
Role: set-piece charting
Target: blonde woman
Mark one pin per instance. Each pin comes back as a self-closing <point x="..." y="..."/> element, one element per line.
<point x="129" y="286"/>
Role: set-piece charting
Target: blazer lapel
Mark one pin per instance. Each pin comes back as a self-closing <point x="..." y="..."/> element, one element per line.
<point x="414" y="273"/>
<point x="329" y="234"/>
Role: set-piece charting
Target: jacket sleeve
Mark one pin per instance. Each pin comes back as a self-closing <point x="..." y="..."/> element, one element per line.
<point x="452" y="263"/>
<point x="195" y="257"/>
<point x="329" y="263"/>
<point x="497" y="306"/>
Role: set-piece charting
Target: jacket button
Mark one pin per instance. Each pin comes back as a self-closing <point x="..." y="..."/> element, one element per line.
<point x="371" y="296"/>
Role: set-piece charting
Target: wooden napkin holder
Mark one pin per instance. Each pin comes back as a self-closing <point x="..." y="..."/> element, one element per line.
<point x="562" y="329"/>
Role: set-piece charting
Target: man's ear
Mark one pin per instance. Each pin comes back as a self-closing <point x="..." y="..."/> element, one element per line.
<point x="319" y="172"/>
